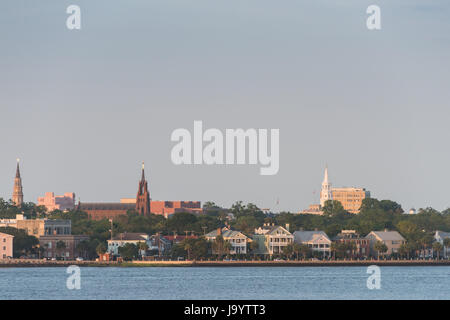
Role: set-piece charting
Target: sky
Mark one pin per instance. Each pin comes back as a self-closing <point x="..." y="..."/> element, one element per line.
<point x="83" y="108"/>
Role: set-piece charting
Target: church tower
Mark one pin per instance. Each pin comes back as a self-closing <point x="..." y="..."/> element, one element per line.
<point x="143" y="196"/>
<point x="325" y="193"/>
<point x="17" y="196"/>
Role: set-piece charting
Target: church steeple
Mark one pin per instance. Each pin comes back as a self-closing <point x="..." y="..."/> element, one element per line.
<point x="143" y="196"/>
<point x="17" y="196"/>
<point x="325" y="193"/>
<point x="143" y="173"/>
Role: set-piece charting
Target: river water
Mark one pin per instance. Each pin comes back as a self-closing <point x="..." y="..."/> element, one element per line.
<point x="427" y="282"/>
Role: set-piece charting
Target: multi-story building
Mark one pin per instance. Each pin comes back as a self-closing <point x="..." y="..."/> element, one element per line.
<point x="52" y="202"/>
<point x="63" y="246"/>
<point x="6" y="246"/>
<point x="39" y="227"/>
<point x="361" y="244"/>
<point x="272" y="239"/>
<point x="392" y="239"/>
<point x="159" y="245"/>
<point x="237" y="239"/>
<point x="350" y="198"/>
<point x="123" y="238"/>
<point x="317" y="241"/>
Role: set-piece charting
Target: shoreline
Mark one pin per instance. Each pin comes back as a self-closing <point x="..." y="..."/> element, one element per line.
<point x="141" y="264"/>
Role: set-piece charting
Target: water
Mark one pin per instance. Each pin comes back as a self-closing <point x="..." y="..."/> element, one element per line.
<point x="226" y="283"/>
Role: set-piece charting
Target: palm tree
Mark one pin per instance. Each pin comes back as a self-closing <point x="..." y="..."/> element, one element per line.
<point x="334" y="247"/>
<point x="143" y="247"/>
<point x="188" y="248"/>
<point x="380" y="247"/>
<point x="437" y="246"/>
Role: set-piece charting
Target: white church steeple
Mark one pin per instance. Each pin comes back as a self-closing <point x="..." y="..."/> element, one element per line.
<point x="325" y="193"/>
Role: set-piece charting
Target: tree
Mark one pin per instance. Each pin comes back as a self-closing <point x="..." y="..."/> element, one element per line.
<point x="404" y="251"/>
<point x="188" y="248"/>
<point x="23" y="244"/>
<point x="143" y="247"/>
<point x="218" y="246"/>
<point x="446" y="245"/>
<point x="333" y="208"/>
<point x="101" y="249"/>
<point x="380" y="247"/>
<point x="129" y="251"/>
<point x="288" y="251"/>
<point x="254" y="246"/>
<point x="334" y="248"/>
<point x="437" y="247"/>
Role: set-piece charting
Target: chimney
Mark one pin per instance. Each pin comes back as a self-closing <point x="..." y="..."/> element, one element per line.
<point x="287" y="226"/>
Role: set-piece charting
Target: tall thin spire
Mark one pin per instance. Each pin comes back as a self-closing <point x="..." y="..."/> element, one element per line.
<point x="325" y="178"/>
<point x="143" y="196"/>
<point x="18" y="169"/>
<point x="17" y="196"/>
<point x="326" y="192"/>
<point x="143" y="173"/>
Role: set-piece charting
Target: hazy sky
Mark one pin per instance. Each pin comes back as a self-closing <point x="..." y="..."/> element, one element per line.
<point x="83" y="108"/>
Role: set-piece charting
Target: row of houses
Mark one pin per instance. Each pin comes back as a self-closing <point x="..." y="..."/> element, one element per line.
<point x="271" y="239"/>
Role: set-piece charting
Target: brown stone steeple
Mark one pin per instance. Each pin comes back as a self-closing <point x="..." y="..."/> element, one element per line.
<point x="17" y="196"/>
<point x="143" y="196"/>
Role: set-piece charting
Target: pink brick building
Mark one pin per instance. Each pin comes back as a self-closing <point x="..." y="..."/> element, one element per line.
<point x="6" y="246"/>
<point x="52" y="202"/>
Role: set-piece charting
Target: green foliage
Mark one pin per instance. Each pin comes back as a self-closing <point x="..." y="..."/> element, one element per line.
<point x="129" y="251"/>
<point x="23" y="244"/>
<point x="191" y="249"/>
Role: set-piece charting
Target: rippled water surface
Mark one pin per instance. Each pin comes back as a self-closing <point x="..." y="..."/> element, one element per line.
<point x="226" y="283"/>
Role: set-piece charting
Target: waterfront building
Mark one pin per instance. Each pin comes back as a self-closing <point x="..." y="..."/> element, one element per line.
<point x="317" y="241"/>
<point x="237" y="239"/>
<point x="39" y="227"/>
<point x="6" y="246"/>
<point x="123" y="238"/>
<point x="362" y="245"/>
<point x="392" y="239"/>
<point x="159" y="245"/>
<point x="69" y="250"/>
<point x="272" y="239"/>
<point x="52" y="202"/>
<point x="17" y="196"/>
